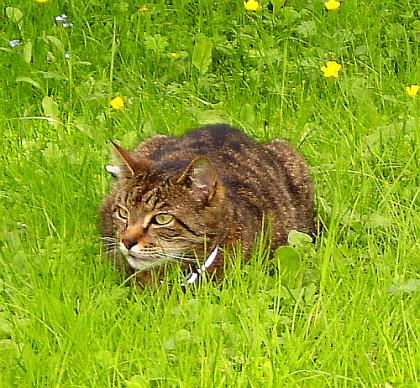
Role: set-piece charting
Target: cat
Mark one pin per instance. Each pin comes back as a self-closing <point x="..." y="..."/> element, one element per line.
<point x="187" y="199"/>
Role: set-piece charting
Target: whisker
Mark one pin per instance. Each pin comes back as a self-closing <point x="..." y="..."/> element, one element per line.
<point x="111" y="243"/>
<point x="152" y="254"/>
<point x="180" y="257"/>
<point x="106" y="238"/>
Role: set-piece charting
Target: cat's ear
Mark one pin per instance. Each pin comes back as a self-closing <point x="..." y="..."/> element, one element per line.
<point x="133" y="163"/>
<point x="202" y="177"/>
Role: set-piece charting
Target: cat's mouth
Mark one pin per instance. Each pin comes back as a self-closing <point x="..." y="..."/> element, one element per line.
<point x="141" y="261"/>
<point x="146" y="259"/>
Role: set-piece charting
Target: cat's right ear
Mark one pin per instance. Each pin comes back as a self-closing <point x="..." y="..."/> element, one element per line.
<point x="202" y="178"/>
<point x="133" y="164"/>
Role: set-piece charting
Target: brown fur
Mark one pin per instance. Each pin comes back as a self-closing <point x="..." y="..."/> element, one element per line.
<point x="217" y="184"/>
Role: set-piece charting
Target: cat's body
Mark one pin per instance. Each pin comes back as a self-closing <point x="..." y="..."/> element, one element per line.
<point x="177" y="199"/>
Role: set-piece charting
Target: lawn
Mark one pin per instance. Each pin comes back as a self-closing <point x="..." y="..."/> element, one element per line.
<point x="337" y="84"/>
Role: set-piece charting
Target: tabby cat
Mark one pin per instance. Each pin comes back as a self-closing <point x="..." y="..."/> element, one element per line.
<point x="187" y="199"/>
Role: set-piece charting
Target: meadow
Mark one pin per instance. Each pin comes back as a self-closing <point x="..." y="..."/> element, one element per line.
<point x="339" y="84"/>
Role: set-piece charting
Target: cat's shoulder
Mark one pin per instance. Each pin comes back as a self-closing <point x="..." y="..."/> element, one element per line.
<point x="220" y="138"/>
<point x="218" y="131"/>
<point x="217" y="136"/>
<point x="148" y="146"/>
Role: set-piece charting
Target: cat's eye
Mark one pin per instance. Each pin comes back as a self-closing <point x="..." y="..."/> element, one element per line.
<point x="122" y="213"/>
<point x="163" y="218"/>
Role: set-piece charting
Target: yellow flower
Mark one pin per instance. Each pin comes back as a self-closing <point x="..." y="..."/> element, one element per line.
<point x="412" y="90"/>
<point x="41" y="1"/>
<point x="117" y="103"/>
<point x="331" y="69"/>
<point x="144" y="8"/>
<point x="332" y="5"/>
<point x="252" y="5"/>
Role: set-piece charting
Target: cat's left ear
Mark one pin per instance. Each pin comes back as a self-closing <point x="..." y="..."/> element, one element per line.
<point x="202" y="177"/>
<point x="133" y="163"/>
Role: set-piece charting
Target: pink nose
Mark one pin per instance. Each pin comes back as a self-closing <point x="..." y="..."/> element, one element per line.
<point x="129" y="243"/>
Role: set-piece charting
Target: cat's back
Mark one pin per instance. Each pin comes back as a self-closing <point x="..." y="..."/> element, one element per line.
<point x="212" y="141"/>
<point x="245" y="166"/>
<point x="265" y="177"/>
<point x="234" y="154"/>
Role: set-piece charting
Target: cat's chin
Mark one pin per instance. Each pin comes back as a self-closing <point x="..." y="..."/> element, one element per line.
<point x="141" y="264"/>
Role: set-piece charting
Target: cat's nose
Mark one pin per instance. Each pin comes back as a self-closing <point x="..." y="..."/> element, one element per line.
<point x="129" y="243"/>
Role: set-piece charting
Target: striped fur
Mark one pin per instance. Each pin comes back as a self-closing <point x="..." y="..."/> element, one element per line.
<point x="217" y="184"/>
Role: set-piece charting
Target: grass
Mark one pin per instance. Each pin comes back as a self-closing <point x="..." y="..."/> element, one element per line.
<point x="344" y="312"/>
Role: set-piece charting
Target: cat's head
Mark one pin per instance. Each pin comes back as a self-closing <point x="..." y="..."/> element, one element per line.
<point x="165" y="211"/>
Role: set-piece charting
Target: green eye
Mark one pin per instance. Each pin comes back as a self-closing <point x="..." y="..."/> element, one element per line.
<point x="122" y="213"/>
<point x="163" y="218"/>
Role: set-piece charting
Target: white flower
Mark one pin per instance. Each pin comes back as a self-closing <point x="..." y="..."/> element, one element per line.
<point x="61" y="18"/>
<point x="14" y="42"/>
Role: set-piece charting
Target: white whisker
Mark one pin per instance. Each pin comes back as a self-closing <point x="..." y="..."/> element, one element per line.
<point x="108" y="238"/>
<point x="148" y="257"/>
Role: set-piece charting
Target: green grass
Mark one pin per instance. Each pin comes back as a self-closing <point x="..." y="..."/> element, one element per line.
<point x="345" y="312"/>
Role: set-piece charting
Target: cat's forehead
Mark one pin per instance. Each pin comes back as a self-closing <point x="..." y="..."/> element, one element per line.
<point x="147" y="194"/>
<point x="143" y="197"/>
